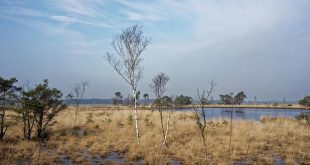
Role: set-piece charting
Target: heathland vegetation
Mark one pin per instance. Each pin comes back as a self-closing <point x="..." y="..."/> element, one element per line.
<point x="36" y="127"/>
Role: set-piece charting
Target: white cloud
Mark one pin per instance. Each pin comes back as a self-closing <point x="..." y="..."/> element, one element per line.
<point x="75" y="6"/>
<point x="67" y="19"/>
<point x="142" y="11"/>
<point x="64" y="19"/>
<point x="134" y="16"/>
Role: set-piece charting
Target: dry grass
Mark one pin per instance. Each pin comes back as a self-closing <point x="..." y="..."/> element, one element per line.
<point x="112" y="130"/>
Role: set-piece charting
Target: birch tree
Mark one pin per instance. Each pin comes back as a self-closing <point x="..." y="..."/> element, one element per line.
<point x="158" y="87"/>
<point x="201" y="117"/>
<point x="126" y="60"/>
<point x="76" y="95"/>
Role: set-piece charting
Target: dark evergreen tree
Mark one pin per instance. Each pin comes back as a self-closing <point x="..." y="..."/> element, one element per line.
<point x="46" y="103"/>
<point x="8" y="101"/>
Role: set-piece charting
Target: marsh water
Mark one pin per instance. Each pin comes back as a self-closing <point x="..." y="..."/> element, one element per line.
<point x="249" y="113"/>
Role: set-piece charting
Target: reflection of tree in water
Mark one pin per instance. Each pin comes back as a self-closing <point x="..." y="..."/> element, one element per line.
<point x="239" y="113"/>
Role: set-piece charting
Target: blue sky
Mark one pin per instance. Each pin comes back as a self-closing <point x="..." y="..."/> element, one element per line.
<point x="260" y="46"/>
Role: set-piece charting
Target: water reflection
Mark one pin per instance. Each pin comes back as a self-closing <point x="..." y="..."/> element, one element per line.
<point x="249" y="113"/>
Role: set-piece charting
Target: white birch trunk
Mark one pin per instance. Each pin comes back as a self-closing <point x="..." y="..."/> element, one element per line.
<point x="167" y="129"/>
<point x="136" y="117"/>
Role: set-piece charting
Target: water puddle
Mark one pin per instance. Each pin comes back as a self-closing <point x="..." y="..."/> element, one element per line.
<point x="278" y="160"/>
<point x="22" y="162"/>
<point x="111" y="157"/>
<point x="65" y="160"/>
<point x="116" y="157"/>
<point x="239" y="162"/>
<point x="174" y="162"/>
<point x="80" y="133"/>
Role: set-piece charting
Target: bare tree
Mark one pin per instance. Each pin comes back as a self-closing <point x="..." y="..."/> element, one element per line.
<point x="158" y="87"/>
<point x="201" y="116"/>
<point x="76" y="95"/>
<point x="231" y="127"/>
<point x="126" y="61"/>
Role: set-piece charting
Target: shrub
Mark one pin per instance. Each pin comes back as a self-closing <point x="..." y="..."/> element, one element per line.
<point x="89" y="118"/>
<point x="130" y="119"/>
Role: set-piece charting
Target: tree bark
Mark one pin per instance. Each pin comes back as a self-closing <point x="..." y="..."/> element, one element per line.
<point x="24" y="125"/>
<point x="161" y="121"/>
<point x="203" y="139"/>
<point x="39" y="126"/>
<point x="136" y="117"/>
<point x="2" y="132"/>
<point x="230" y="135"/>
<point x="167" y="129"/>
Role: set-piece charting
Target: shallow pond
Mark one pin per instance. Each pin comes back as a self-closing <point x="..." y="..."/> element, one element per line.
<point x="249" y="113"/>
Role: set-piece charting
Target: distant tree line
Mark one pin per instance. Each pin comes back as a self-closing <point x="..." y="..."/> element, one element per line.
<point x="166" y="101"/>
<point x="231" y="99"/>
<point x="305" y="101"/>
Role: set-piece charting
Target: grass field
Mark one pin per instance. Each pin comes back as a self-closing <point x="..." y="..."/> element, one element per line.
<point x="108" y="137"/>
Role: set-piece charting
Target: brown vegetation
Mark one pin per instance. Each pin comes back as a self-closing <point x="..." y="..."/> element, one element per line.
<point x="98" y="133"/>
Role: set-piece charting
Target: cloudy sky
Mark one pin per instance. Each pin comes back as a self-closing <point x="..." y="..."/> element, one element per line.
<point x="259" y="46"/>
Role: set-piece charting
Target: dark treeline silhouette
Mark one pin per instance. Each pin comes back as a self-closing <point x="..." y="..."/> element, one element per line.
<point x="231" y="99"/>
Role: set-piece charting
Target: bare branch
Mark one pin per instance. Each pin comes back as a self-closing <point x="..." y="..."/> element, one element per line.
<point x="158" y="85"/>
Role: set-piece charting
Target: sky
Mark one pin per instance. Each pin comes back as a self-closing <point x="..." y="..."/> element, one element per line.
<point x="261" y="47"/>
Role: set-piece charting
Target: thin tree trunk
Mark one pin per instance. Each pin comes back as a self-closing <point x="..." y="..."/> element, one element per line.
<point x="39" y="127"/>
<point x="29" y="134"/>
<point x="203" y="139"/>
<point x="167" y="129"/>
<point x="2" y="132"/>
<point x="24" y="125"/>
<point x="28" y="125"/>
<point x="161" y="121"/>
<point x="76" y="115"/>
<point x="136" y="117"/>
<point x="203" y="126"/>
<point x="230" y="135"/>
<point x="205" y="146"/>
